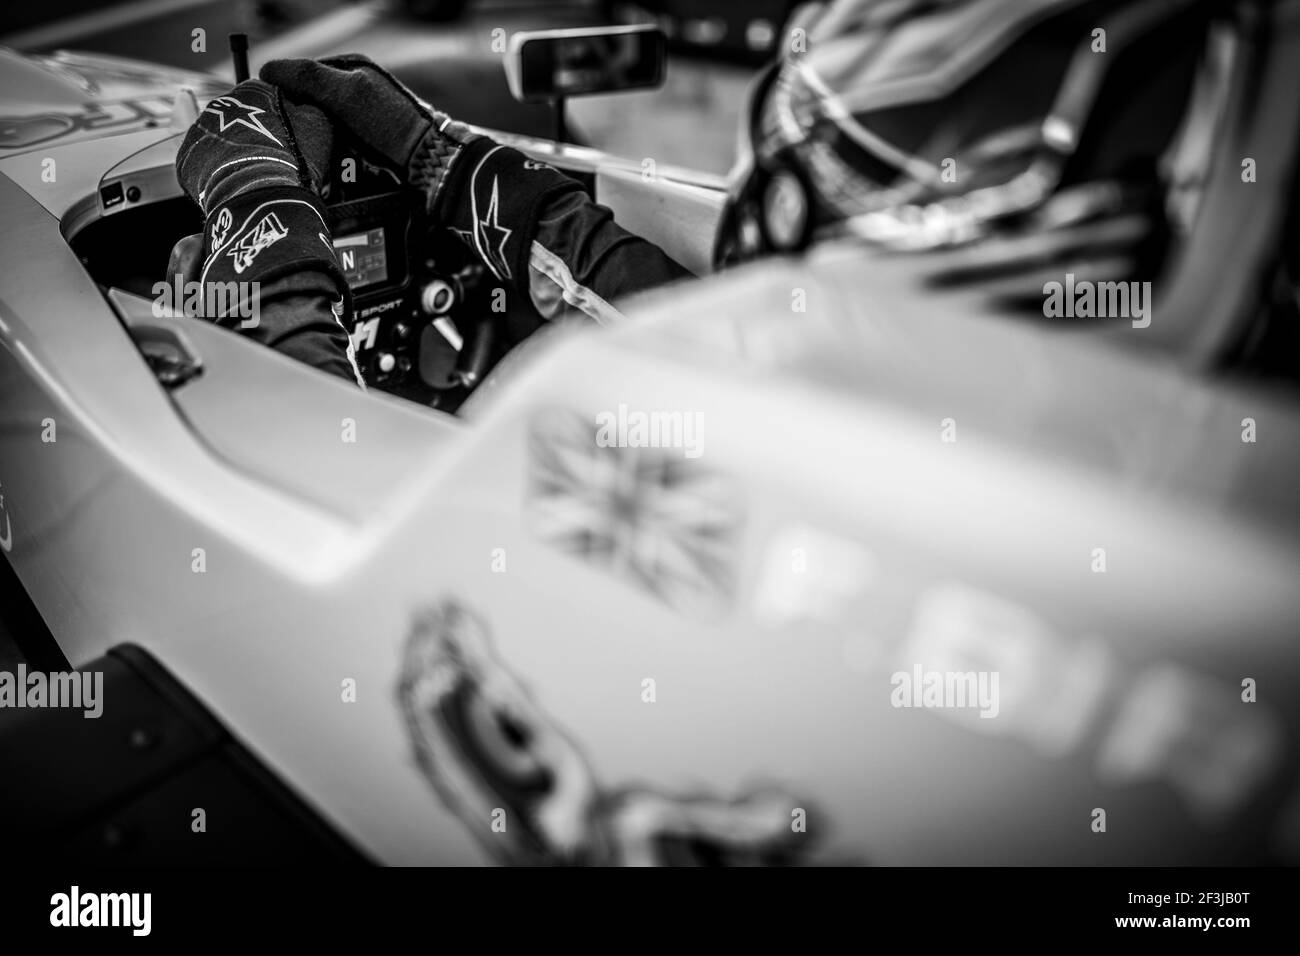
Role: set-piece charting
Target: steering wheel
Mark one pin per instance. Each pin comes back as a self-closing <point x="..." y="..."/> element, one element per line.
<point x="429" y="321"/>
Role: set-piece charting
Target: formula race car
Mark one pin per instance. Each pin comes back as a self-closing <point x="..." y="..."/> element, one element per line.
<point x="879" y="542"/>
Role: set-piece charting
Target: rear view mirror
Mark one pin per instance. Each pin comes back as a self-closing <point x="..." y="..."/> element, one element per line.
<point x="549" y="65"/>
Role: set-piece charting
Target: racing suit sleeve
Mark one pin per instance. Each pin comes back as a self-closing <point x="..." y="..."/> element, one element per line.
<point x="541" y="235"/>
<point x="299" y="313"/>
<point x="302" y="317"/>
<point x="533" y="227"/>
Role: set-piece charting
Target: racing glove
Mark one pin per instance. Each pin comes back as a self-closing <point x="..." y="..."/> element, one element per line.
<point x="254" y="164"/>
<point x="532" y="226"/>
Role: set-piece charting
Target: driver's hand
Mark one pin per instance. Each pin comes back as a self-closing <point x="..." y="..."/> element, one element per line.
<point x="254" y="165"/>
<point x="251" y="139"/>
<point x="533" y="227"/>
<point x="419" y="143"/>
<point x="266" y="263"/>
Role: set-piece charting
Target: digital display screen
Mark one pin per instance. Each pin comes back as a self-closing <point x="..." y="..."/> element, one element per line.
<point x="363" y="257"/>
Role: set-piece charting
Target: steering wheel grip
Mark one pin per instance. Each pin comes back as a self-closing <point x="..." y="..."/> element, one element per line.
<point x="476" y="354"/>
<point x="186" y="259"/>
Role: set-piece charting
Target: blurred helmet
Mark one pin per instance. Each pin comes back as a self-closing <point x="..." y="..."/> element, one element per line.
<point x="924" y="122"/>
<point x="1069" y="130"/>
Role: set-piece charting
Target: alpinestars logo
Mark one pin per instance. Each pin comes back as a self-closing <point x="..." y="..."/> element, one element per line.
<point x="266" y="233"/>
<point x="221" y="228"/>
<point x="231" y="112"/>
<point x="488" y="236"/>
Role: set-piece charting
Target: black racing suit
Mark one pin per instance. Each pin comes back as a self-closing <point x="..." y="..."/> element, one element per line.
<point x="533" y="227"/>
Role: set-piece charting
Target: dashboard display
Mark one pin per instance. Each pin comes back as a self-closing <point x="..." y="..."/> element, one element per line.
<point x="363" y="257"/>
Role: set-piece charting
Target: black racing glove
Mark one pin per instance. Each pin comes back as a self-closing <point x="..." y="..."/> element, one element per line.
<point x="255" y="163"/>
<point x="256" y="174"/>
<point x="489" y="194"/>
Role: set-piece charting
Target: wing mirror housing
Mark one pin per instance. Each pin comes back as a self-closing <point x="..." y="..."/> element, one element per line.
<point x="548" y="65"/>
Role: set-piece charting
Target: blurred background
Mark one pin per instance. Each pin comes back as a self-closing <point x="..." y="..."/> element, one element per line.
<point x="716" y="44"/>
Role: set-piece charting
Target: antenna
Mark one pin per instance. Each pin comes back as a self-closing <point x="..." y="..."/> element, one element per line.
<point x="239" y="54"/>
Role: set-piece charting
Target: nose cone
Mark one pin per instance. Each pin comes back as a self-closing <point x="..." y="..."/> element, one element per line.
<point x="34" y="86"/>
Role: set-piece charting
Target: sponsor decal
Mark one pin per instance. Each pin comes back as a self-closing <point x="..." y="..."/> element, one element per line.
<point x="18" y="132"/>
<point x="809" y="574"/>
<point x="488" y="237"/>
<point x="653" y="516"/>
<point x="265" y="234"/>
<point x="221" y="228"/>
<point x="527" y="792"/>
<point x="364" y="334"/>
<point x="231" y="112"/>
<point x="379" y="309"/>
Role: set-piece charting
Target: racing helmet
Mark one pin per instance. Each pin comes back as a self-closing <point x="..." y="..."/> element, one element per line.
<point x="933" y="124"/>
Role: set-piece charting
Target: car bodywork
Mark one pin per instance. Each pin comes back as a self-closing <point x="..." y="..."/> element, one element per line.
<point x="356" y="587"/>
